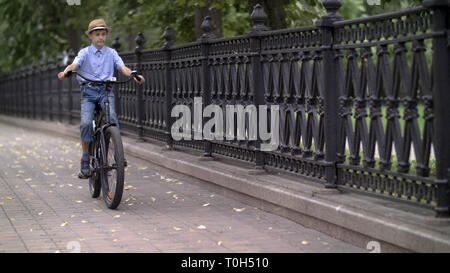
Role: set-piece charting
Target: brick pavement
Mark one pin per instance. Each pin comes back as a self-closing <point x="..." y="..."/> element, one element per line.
<point x="44" y="207"/>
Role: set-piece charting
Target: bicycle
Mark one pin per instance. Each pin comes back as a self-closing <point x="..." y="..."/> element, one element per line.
<point x="107" y="160"/>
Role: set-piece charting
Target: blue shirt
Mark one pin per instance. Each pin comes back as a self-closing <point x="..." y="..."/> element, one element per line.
<point x="97" y="64"/>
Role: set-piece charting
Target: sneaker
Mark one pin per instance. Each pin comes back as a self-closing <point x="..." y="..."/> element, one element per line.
<point x="85" y="171"/>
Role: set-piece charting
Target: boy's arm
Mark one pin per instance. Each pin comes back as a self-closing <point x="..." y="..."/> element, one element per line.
<point x="68" y="68"/>
<point x="127" y="72"/>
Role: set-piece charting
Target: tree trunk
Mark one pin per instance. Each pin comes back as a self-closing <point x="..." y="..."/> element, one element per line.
<point x="276" y="15"/>
<point x="216" y="16"/>
<point x="74" y="38"/>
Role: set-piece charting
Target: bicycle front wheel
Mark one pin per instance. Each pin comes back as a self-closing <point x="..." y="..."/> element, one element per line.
<point x="113" y="173"/>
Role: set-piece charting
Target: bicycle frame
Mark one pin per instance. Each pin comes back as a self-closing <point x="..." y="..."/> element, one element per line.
<point x="105" y="134"/>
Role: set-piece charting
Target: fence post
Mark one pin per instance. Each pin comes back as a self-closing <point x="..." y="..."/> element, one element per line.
<point x="59" y="65"/>
<point x="331" y="94"/>
<point x="41" y="78"/>
<point x="69" y="88"/>
<point x="34" y="74"/>
<point x="169" y="36"/>
<point x="28" y="73"/>
<point x="50" y="66"/>
<point x="441" y="101"/>
<point x="258" y="18"/>
<point x="116" y="45"/>
<point x="140" y="40"/>
<point x="208" y="28"/>
<point x="20" y="88"/>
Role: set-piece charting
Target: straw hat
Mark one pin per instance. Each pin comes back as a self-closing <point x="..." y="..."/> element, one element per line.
<point x="97" y="24"/>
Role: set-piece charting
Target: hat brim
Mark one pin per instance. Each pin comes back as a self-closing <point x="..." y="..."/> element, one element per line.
<point x="97" y="28"/>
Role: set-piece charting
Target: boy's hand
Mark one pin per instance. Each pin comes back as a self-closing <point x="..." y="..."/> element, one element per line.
<point x="61" y="75"/>
<point x="141" y="79"/>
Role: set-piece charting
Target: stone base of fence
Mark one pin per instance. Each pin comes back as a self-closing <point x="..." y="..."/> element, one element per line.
<point x="361" y="220"/>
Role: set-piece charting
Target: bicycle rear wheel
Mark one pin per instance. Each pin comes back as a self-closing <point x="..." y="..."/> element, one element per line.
<point x="113" y="173"/>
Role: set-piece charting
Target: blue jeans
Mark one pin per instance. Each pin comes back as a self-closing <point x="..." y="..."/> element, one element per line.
<point x="90" y="95"/>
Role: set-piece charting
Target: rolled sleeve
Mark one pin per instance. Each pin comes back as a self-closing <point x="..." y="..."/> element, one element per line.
<point x="80" y="58"/>
<point x="118" y="62"/>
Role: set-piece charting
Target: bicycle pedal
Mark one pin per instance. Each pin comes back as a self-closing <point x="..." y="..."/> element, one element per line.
<point x="82" y="176"/>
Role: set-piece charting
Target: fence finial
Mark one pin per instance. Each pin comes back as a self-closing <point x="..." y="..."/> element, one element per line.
<point x="259" y="17"/>
<point x="116" y="44"/>
<point x="169" y="36"/>
<point x="332" y="7"/>
<point x="70" y="56"/>
<point x="208" y="28"/>
<point x="59" y="59"/>
<point x="140" y="41"/>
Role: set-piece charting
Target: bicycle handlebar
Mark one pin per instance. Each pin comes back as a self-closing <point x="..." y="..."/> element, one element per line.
<point x="133" y="75"/>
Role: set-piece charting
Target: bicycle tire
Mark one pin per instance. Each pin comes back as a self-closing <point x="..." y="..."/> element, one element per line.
<point x="94" y="180"/>
<point x="115" y="165"/>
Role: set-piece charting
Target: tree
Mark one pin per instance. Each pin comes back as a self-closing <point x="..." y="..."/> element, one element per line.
<point x="31" y="31"/>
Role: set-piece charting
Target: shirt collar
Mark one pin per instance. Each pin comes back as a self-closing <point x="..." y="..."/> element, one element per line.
<point x="94" y="50"/>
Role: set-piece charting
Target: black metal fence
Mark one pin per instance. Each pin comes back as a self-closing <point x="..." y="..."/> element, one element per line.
<point x="363" y="104"/>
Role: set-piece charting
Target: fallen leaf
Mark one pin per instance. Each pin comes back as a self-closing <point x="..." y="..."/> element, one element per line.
<point x="201" y="227"/>
<point x="64" y="224"/>
<point x="8" y="198"/>
<point x="128" y="187"/>
<point x="98" y="210"/>
<point x="205" y="205"/>
<point x="84" y="221"/>
<point x="305" y="243"/>
<point x="142" y="168"/>
<point x="40" y="213"/>
<point x="238" y="210"/>
<point x="116" y="216"/>
<point x="79" y="201"/>
<point x="176" y="228"/>
<point x="219" y="243"/>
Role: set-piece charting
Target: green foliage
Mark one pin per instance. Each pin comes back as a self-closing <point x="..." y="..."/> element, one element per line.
<point x="31" y="30"/>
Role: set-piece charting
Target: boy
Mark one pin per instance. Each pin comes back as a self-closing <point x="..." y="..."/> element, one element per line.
<point x="97" y="62"/>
